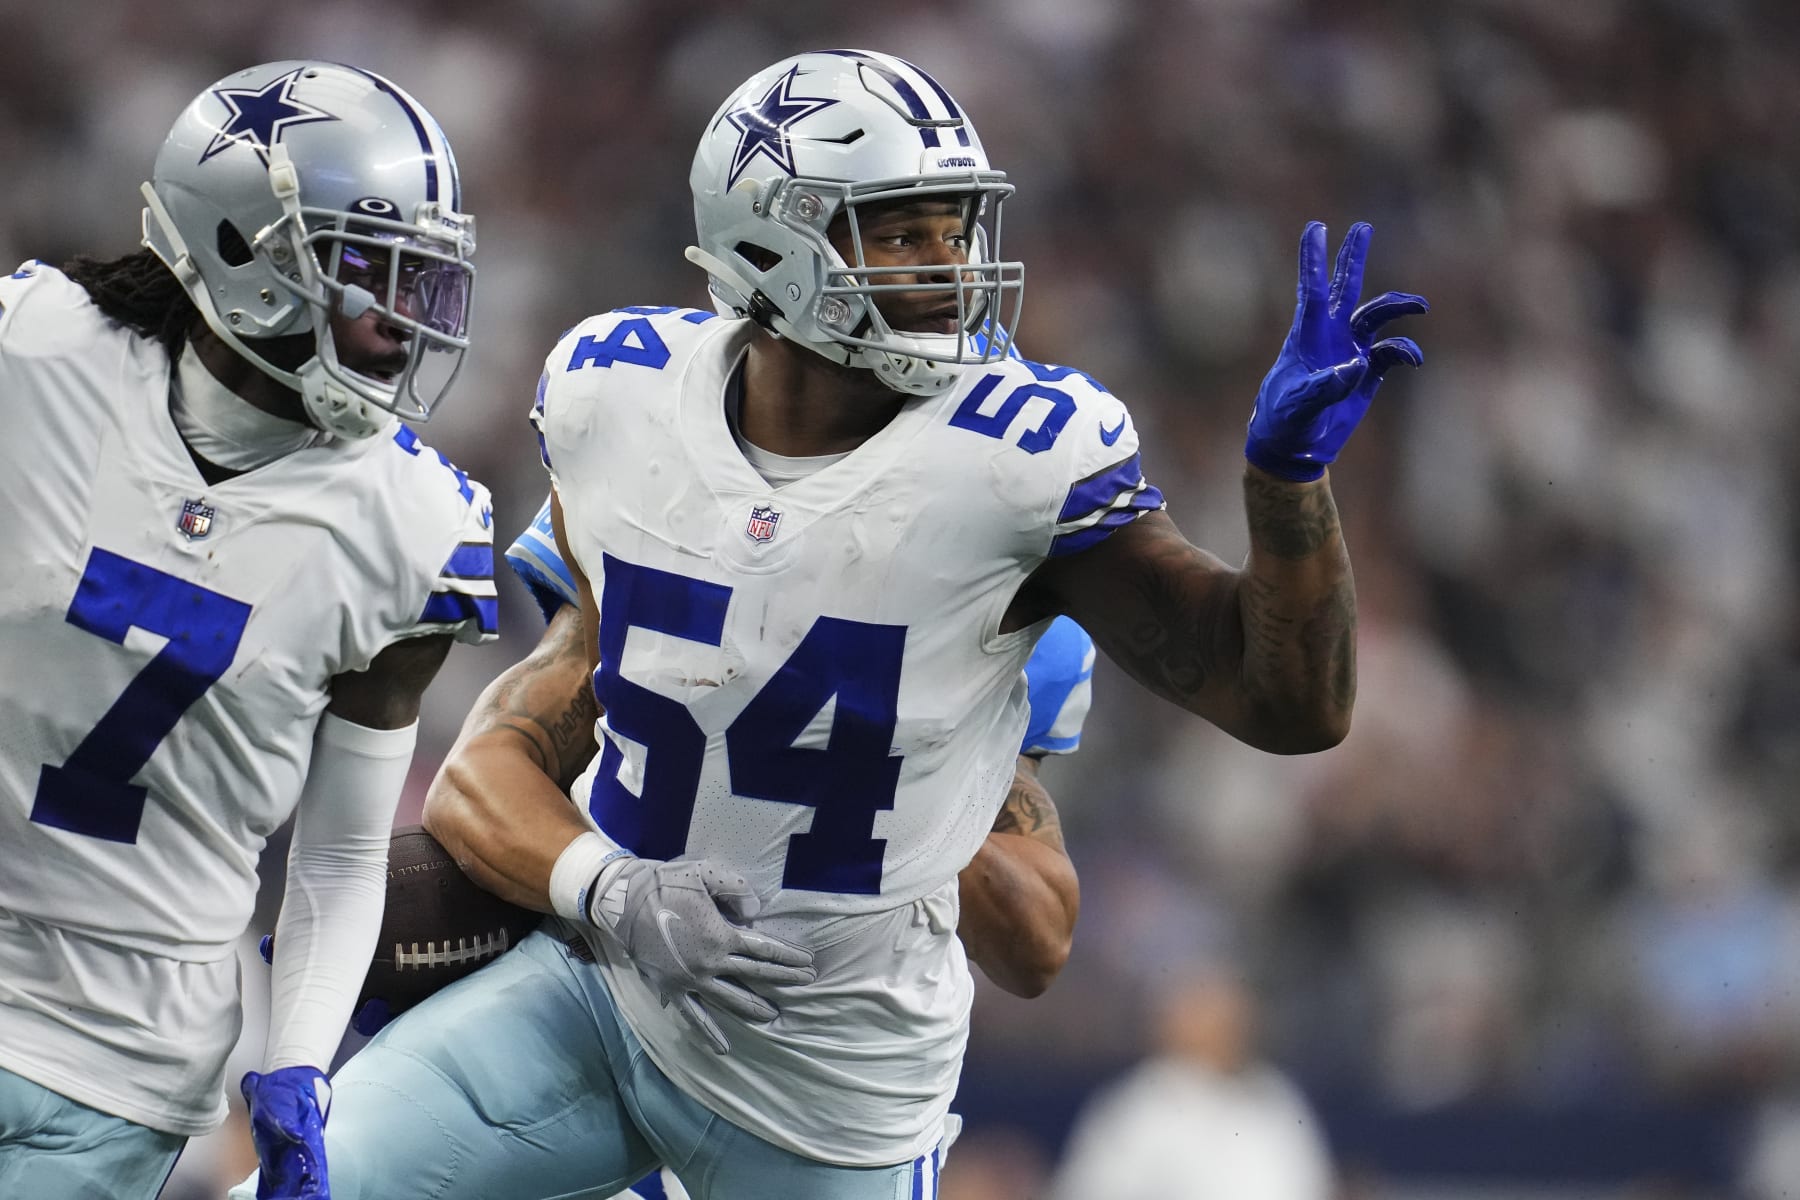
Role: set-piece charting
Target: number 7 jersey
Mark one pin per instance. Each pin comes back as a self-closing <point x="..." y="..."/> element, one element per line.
<point x="168" y="645"/>
<point x="809" y="683"/>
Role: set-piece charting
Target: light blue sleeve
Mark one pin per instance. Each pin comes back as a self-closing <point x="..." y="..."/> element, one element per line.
<point x="1060" y="674"/>
<point x="534" y="559"/>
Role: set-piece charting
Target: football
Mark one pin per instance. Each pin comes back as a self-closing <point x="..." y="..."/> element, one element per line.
<point x="439" y="924"/>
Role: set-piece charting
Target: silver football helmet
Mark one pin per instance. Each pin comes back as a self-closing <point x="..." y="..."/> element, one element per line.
<point x="818" y="137"/>
<point x="292" y="190"/>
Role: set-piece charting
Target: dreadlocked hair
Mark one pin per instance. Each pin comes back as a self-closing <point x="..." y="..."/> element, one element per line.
<point x="139" y="292"/>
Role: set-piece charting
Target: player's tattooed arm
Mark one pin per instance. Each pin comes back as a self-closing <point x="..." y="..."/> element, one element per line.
<point x="1268" y="652"/>
<point x="1020" y="895"/>
<point x="500" y="801"/>
<point x="546" y="701"/>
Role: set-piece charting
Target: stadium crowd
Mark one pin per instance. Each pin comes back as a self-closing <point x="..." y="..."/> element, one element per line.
<point x="1555" y="868"/>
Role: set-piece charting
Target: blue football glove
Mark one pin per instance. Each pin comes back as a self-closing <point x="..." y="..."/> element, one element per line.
<point x="366" y="1020"/>
<point x="287" y="1123"/>
<point x="1330" y="365"/>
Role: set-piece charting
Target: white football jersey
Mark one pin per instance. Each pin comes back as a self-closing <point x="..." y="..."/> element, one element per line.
<point x="168" y="647"/>
<point x="809" y="684"/>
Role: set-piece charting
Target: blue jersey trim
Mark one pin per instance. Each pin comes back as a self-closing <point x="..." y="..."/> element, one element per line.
<point x="451" y="608"/>
<point x="1101" y="489"/>
<point x="471" y="560"/>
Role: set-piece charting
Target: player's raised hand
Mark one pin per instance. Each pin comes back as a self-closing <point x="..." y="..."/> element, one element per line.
<point x="680" y="924"/>
<point x="287" y="1123"/>
<point x="1328" y="369"/>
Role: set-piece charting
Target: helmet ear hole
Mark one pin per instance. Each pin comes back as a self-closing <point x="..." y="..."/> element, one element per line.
<point x="232" y="246"/>
<point x="760" y="257"/>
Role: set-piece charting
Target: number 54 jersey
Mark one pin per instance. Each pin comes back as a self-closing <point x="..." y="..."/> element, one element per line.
<point x="167" y="648"/>
<point x="809" y="684"/>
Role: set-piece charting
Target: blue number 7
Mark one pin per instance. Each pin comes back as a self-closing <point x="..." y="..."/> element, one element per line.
<point x="92" y="793"/>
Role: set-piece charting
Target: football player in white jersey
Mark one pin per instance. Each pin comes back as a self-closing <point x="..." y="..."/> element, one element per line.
<point x="815" y="542"/>
<point x="1019" y="895"/>
<point x="231" y="573"/>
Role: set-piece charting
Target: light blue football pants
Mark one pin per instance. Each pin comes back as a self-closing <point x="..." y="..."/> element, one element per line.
<point x="521" y="1082"/>
<point x="52" y="1148"/>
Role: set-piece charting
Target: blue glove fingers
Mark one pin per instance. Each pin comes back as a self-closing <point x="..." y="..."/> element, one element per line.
<point x="1393" y="352"/>
<point x="369" y="1019"/>
<point x="1324" y="388"/>
<point x="266" y="948"/>
<point x="1388" y="306"/>
<point x="1311" y="290"/>
<point x="1347" y="278"/>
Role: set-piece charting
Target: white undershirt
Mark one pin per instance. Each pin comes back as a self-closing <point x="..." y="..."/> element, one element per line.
<point x="225" y="429"/>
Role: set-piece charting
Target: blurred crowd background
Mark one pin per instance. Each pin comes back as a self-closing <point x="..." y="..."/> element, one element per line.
<point x="1533" y="930"/>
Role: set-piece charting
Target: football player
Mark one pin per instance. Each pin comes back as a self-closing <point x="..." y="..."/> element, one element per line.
<point x="230" y="574"/>
<point x="815" y="541"/>
<point x="1019" y="896"/>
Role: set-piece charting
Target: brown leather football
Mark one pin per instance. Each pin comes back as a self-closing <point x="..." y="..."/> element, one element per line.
<point x="439" y="925"/>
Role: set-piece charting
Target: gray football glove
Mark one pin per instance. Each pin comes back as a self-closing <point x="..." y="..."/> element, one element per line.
<point x="681" y="924"/>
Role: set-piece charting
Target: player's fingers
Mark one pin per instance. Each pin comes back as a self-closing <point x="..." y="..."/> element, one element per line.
<point x="1394" y="352"/>
<point x="1324" y="388"/>
<point x="690" y="1006"/>
<point x="1386" y="307"/>
<point x="266" y="948"/>
<point x="1309" y="294"/>
<point x="1346" y="279"/>
<point x="761" y="971"/>
<point x="771" y="950"/>
<point x="733" y="997"/>
<point x="731" y="892"/>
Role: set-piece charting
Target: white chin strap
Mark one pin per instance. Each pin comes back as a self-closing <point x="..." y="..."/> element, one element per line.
<point x="905" y="372"/>
<point x="896" y="369"/>
<point x="335" y="408"/>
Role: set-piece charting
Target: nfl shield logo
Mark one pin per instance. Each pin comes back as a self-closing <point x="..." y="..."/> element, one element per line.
<point x="196" y="519"/>
<point x="763" y="520"/>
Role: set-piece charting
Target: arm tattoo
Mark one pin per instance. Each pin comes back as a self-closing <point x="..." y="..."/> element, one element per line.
<point x="1029" y="812"/>
<point x="548" y="702"/>
<point x="1188" y="632"/>
<point x="1289" y="525"/>
<point x="1314" y="644"/>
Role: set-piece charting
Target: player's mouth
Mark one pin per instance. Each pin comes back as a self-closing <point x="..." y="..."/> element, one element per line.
<point x="383" y="372"/>
<point x="937" y="320"/>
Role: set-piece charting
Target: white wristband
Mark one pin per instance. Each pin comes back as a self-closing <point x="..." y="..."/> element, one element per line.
<point x="574" y="873"/>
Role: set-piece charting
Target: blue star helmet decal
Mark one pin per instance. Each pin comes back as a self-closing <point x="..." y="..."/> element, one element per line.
<point x="764" y="125"/>
<point x="259" y="116"/>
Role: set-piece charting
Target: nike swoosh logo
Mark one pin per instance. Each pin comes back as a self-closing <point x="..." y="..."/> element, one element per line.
<point x="664" y="918"/>
<point x="1109" y="436"/>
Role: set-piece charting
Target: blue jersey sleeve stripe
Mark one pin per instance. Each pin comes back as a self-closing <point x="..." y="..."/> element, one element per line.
<point x="471" y="560"/>
<point x="1101" y="489"/>
<point x="453" y="608"/>
<point x="1093" y="535"/>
